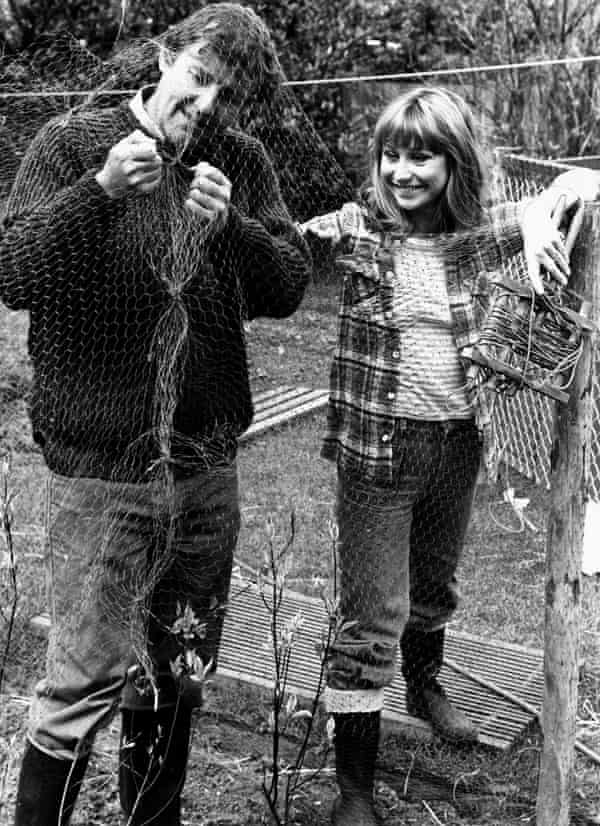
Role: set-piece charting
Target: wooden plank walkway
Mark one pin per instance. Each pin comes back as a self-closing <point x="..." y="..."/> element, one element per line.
<point x="512" y="674"/>
<point x="283" y="404"/>
<point x="513" y="670"/>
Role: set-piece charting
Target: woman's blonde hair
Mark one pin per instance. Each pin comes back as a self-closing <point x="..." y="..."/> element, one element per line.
<point x="440" y="121"/>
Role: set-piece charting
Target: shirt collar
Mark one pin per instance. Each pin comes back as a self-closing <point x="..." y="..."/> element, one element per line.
<point x="138" y="106"/>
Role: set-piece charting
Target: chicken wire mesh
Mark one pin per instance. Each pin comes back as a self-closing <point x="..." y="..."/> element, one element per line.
<point x="525" y="421"/>
<point x="137" y="377"/>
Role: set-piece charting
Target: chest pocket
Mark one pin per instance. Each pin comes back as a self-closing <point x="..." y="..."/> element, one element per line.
<point x="361" y="293"/>
<point x="367" y="325"/>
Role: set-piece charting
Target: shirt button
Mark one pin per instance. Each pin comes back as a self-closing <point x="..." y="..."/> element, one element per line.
<point x="395" y="354"/>
<point x="386" y="437"/>
<point x="391" y="395"/>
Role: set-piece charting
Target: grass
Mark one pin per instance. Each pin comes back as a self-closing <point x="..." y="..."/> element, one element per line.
<point x="501" y="576"/>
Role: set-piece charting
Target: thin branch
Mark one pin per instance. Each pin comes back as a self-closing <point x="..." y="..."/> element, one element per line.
<point x="579" y="16"/>
<point x="563" y="22"/>
<point x="282" y="714"/>
<point x="536" y="15"/>
<point x="6" y="528"/>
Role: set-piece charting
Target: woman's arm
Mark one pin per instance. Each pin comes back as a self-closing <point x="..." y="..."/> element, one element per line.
<point x="543" y="243"/>
<point x="531" y="226"/>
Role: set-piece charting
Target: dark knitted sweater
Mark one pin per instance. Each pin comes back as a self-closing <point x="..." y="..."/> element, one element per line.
<point x="136" y="310"/>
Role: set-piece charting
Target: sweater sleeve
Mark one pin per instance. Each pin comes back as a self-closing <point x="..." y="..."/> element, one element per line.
<point x="274" y="262"/>
<point x="52" y="216"/>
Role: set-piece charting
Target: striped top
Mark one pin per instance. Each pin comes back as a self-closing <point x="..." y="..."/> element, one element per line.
<point x="409" y="307"/>
<point x="430" y="377"/>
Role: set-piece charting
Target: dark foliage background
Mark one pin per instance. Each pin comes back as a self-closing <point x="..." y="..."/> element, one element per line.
<point x="551" y="112"/>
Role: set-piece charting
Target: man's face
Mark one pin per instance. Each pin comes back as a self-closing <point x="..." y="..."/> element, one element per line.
<point x="194" y="84"/>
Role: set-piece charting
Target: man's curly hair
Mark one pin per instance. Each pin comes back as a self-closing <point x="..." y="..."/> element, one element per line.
<point x="234" y="33"/>
<point x="239" y="38"/>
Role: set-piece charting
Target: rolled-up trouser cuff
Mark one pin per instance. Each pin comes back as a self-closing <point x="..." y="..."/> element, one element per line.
<point x="64" y="755"/>
<point x="353" y="702"/>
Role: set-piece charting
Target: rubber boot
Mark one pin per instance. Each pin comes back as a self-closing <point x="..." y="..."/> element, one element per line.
<point x="48" y="788"/>
<point x="422" y="660"/>
<point x="356" y="743"/>
<point x="152" y="765"/>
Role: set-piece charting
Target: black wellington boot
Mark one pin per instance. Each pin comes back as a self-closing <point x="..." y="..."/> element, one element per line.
<point x="152" y="764"/>
<point x="422" y="659"/>
<point x="356" y="743"/>
<point x="48" y="788"/>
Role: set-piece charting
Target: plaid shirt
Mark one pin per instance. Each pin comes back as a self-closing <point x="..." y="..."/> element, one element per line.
<point x="360" y="421"/>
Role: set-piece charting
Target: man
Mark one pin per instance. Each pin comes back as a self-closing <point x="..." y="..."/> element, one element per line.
<point x="139" y="238"/>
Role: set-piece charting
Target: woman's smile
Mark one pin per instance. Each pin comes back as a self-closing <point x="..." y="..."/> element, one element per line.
<point x="417" y="177"/>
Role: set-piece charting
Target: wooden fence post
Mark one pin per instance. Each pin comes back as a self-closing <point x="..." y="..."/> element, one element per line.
<point x="570" y="463"/>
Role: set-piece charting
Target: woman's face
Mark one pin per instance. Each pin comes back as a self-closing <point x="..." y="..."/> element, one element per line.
<point x="416" y="177"/>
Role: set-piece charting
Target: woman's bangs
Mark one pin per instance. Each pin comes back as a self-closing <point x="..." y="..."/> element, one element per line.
<point x="412" y="128"/>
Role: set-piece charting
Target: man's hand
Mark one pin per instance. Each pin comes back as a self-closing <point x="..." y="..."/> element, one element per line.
<point x="209" y="194"/>
<point x="131" y="164"/>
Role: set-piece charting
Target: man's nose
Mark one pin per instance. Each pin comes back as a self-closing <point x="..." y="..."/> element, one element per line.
<point x="206" y="99"/>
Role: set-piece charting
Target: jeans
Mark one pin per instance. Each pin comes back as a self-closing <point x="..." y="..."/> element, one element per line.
<point x="124" y="563"/>
<point x="399" y="547"/>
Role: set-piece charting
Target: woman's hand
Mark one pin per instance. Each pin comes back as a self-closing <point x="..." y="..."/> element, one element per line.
<point x="544" y="244"/>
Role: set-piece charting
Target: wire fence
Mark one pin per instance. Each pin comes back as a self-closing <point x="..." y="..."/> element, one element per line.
<point x="524" y="421"/>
